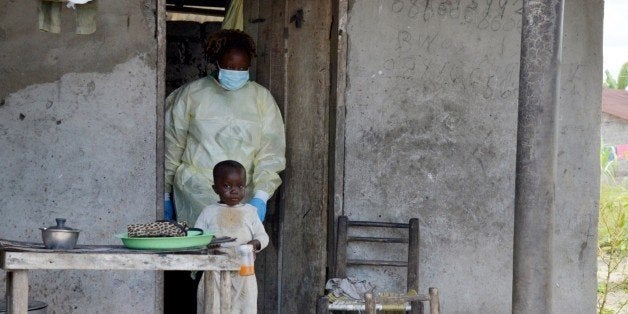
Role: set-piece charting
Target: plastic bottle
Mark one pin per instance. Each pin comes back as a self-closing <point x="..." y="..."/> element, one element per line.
<point x="247" y="266"/>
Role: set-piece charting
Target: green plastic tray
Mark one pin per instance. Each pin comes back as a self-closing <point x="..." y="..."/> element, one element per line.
<point x="193" y="239"/>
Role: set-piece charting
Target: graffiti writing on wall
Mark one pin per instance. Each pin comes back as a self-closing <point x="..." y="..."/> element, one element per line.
<point x="484" y="78"/>
<point x="493" y="15"/>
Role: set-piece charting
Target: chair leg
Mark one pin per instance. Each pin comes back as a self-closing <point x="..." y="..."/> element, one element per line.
<point x="369" y="303"/>
<point x="434" y="301"/>
<point x="416" y="307"/>
<point x="322" y="305"/>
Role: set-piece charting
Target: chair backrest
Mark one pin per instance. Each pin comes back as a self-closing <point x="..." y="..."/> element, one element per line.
<point x="412" y="262"/>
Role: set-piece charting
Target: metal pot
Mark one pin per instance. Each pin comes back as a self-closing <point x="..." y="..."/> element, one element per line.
<point x="59" y="236"/>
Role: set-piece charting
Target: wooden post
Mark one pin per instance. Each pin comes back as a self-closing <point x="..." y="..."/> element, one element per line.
<point x="369" y="303"/>
<point x="208" y="293"/>
<point x="341" y="248"/>
<point x="17" y="291"/>
<point x="225" y="292"/>
<point x="434" y="301"/>
<point x="413" y="263"/>
<point x="413" y="255"/>
<point x="303" y="219"/>
<point x="322" y="305"/>
<point x="338" y="86"/>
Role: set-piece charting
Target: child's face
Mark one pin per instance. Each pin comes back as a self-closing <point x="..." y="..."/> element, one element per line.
<point x="230" y="186"/>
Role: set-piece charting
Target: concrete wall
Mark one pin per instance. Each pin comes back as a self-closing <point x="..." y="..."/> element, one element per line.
<point x="431" y="121"/>
<point x="77" y="138"/>
<point x="614" y="131"/>
<point x="578" y="143"/>
<point x="431" y="117"/>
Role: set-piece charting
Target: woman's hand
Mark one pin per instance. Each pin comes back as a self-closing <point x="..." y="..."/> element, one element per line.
<point x="168" y="207"/>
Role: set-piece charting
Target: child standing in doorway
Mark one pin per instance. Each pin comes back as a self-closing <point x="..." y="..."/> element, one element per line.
<point x="231" y="218"/>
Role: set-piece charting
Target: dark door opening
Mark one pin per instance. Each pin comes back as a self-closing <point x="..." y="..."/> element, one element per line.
<point x="188" y="23"/>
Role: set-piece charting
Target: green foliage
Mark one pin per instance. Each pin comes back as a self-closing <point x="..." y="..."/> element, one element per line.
<point x="608" y="164"/>
<point x="612" y="228"/>
<point x="623" y="286"/>
<point x="622" y="78"/>
<point x="610" y="81"/>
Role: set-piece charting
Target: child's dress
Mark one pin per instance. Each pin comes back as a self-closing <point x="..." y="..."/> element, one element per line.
<point x="240" y="222"/>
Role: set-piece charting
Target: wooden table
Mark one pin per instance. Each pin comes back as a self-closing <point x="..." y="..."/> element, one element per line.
<point x="17" y="261"/>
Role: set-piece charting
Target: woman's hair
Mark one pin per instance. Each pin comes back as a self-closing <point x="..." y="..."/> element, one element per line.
<point x="220" y="42"/>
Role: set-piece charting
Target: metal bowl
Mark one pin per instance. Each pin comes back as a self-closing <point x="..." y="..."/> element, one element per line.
<point x="59" y="237"/>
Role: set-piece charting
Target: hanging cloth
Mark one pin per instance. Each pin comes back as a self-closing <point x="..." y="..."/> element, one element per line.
<point x="234" y="18"/>
<point x="49" y="13"/>
<point x="86" y="17"/>
<point x="49" y="16"/>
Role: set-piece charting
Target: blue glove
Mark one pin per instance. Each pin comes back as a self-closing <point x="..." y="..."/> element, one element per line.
<point x="261" y="207"/>
<point x="168" y="208"/>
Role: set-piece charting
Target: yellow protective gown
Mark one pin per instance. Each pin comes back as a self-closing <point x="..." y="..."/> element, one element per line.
<point x="206" y="124"/>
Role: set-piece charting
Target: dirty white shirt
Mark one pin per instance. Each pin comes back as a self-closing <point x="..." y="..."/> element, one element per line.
<point x="240" y="222"/>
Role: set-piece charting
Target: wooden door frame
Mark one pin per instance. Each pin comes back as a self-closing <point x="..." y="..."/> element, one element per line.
<point x="308" y="86"/>
<point x="159" y="132"/>
<point x="337" y="126"/>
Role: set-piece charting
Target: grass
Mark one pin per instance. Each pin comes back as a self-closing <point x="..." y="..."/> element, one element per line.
<point x="612" y="237"/>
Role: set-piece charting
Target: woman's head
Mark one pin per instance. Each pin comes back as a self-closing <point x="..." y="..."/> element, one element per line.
<point x="231" y="49"/>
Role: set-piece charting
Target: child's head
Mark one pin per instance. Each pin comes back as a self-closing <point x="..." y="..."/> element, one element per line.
<point x="229" y="182"/>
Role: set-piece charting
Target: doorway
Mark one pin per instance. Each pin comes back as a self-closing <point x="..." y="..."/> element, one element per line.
<point x="293" y="63"/>
<point x="187" y="24"/>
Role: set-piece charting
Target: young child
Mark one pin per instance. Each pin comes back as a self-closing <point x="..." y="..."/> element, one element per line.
<point x="233" y="219"/>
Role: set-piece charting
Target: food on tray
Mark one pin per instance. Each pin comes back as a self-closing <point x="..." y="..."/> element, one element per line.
<point x="158" y="229"/>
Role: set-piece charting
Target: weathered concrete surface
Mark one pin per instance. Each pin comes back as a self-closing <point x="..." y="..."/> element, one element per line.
<point x="535" y="180"/>
<point x="431" y="133"/>
<point x="614" y="130"/>
<point x="81" y="148"/>
<point x="77" y="140"/>
<point x="29" y="56"/>
<point x="577" y="150"/>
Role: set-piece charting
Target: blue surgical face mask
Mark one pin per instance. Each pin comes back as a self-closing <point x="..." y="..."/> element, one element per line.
<point x="232" y="79"/>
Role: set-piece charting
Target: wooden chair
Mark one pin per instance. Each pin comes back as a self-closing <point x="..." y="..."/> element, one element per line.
<point x="413" y="304"/>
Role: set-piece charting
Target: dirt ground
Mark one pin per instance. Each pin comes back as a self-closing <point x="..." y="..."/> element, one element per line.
<point x="617" y="298"/>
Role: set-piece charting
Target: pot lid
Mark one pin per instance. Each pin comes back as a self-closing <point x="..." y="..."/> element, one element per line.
<point x="60" y="225"/>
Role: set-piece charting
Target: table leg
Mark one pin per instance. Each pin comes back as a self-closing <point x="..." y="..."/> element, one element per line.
<point x="17" y="292"/>
<point x="225" y="292"/>
<point x="369" y="303"/>
<point x="208" y="292"/>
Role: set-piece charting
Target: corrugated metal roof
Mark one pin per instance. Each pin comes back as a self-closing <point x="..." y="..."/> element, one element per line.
<point x="615" y="102"/>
